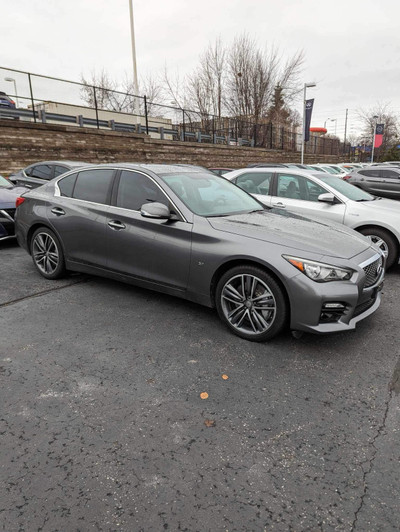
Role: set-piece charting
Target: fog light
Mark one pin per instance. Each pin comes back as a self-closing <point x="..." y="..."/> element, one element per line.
<point x="332" y="311"/>
<point x="334" y="306"/>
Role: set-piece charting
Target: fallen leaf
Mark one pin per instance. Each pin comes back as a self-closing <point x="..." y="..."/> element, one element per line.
<point x="225" y="377"/>
<point x="209" y="423"/>
<point x="204" y="395"/>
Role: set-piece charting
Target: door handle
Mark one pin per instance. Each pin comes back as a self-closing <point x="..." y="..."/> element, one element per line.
<point x="117" y="225"/>
<point x="280" y="205"/>
<point x="57" y="211"/>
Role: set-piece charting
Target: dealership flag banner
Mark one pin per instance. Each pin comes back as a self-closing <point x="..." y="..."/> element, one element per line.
<point x="309" y="108"/>
<point x="378" y="135"/>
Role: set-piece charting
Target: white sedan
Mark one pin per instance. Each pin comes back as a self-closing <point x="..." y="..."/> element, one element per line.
<point x="326" y="196"/>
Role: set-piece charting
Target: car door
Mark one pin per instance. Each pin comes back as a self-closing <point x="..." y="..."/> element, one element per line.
<point x="299" y="194"/>
<point x="79" y="212"/>
<point x="390" y="185"/>
<point x="371" y="180"/>
<point x="151" y="249"/>
<point x="36" y="175"/>
<point x="257" y="184"/>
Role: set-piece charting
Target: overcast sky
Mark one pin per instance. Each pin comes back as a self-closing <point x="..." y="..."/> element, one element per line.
<point x="352" y="47"/>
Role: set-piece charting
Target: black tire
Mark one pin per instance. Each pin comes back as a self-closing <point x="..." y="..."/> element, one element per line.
<point x="256" y="312"/>
<point x="47" y="254"/>
<point x="385" y="241"/>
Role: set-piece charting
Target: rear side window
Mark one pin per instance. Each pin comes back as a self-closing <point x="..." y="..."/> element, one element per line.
<point x="93" y="185"/>
<point x="58" y="170"/>
<point x="66" y="185"/>
<point x="255" y="183"/>
<point x="136" y="189"/>
<point x="41" y="171"/>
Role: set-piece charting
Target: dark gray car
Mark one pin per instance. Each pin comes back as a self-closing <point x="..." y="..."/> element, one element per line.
<point x="381" y="181"/>
<point x="37" y="174"/>
<point x="197" y="236"/>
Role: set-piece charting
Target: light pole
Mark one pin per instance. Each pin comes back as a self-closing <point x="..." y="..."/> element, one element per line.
<point x="15" y="88"/>
<point x="135" y="78"/>
<point x="326" y="122"/>
<point x="375" y="117"/>
<point x="306" y="86"/>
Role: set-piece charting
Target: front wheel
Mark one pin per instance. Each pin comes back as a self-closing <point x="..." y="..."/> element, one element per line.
<point x="251" y="303"/>
<point x="47" y="254"/>
<point x="385" y="241"/>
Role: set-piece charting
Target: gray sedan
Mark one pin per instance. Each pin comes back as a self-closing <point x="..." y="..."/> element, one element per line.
<point x="37" y="174"/>
<point x="194" y="235"/>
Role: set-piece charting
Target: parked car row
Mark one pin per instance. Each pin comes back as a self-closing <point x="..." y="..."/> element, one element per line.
<point x="184" y="231"/>
<point x="315" y="194"/>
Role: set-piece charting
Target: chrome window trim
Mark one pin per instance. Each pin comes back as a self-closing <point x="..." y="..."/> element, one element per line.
<point x="57" y="192"/>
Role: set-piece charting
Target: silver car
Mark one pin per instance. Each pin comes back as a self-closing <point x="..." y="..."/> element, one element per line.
<point x="195" y="235"/>
<point x="328" y="197"/>
<point x="381" y="180"/>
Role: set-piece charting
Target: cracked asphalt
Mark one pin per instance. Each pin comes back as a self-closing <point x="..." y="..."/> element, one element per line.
<point x="103" y="427"/>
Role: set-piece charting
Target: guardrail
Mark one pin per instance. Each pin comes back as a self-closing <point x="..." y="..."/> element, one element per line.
<point x="45" y="117"/>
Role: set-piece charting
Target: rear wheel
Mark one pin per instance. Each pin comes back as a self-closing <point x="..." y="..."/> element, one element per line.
<point x="251" y="303"/>
<point x="385" y="241"/>
<point x="47" y="254"/>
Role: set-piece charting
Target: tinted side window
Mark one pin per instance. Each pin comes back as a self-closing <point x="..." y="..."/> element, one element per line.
<point x="41" y="171"/>
<point x="390" y="173"/>
<point x="289" y="186"/>
<point x="66" y="185"/>
<point x="370" y="173"/>
<point x="255" y="183"/>
<point x="136" y="189"/>
<point x="313" y="190"/>
<point x="58" y="170"/>
<point x="93" y="185"/>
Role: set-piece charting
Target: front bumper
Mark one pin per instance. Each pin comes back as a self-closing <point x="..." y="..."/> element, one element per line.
<point x="7" y="225"/>
<point x="311" y="298"/>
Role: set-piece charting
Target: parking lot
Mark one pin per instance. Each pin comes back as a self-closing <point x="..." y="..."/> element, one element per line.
<point x="104" y="425"/>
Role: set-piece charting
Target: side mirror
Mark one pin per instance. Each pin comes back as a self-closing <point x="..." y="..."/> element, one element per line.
<point x="155" y="210"/>
<point x="327" y="198"/>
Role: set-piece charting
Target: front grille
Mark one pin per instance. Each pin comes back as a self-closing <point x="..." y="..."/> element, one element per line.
<point x="372" y="272"/>
<point x="10" y="212"/>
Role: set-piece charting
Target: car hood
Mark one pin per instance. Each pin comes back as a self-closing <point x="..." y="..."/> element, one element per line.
<point x="382" y="205"/>
<point x="9" y="195"/>
<point x="291" y="230"/>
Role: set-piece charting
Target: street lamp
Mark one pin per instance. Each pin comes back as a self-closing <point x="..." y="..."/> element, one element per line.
<point x="331" y="120"/>
<point x="375" y="117"/>
<point x="15" y="88"/>
<point x="135" y="78"/>
<point x="306" y="86"/>
<point x="326" y="122"/>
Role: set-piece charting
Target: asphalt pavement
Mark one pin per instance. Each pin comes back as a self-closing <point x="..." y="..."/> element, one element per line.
<point x="126" y="410"/>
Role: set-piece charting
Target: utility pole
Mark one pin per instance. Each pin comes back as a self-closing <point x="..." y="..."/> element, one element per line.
<point x="373" y="138"/>
<point x="135" y="78"/>
<point x="345" y="132"/>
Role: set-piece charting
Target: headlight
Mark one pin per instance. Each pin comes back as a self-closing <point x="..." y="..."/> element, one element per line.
<point x="318" y="271"/>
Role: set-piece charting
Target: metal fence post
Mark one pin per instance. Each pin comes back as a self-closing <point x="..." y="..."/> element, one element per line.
<point x="146" y="115"/>
<point x="183" y="124"/>
<point x="95" y="104"/>
<point x="33" y="103"/>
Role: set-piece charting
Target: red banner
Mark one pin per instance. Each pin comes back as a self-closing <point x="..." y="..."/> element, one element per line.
<point x="378" y="135"/>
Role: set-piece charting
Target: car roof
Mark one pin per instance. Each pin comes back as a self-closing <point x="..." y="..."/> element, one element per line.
<point x="67" y="163"/>
<point x="157" y="168"/>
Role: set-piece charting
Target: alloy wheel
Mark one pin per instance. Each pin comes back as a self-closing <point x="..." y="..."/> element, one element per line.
<point x="248" y="304"/>
<point x="45" y="253"/>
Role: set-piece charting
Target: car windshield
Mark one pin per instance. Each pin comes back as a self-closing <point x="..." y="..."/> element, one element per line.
<point x="4" y="183"/>
<point x="350" y="191"/>
<point x="209" y="195"/>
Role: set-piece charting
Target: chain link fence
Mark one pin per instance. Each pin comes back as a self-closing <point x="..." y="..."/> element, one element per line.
<point x="45" y="99"/>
